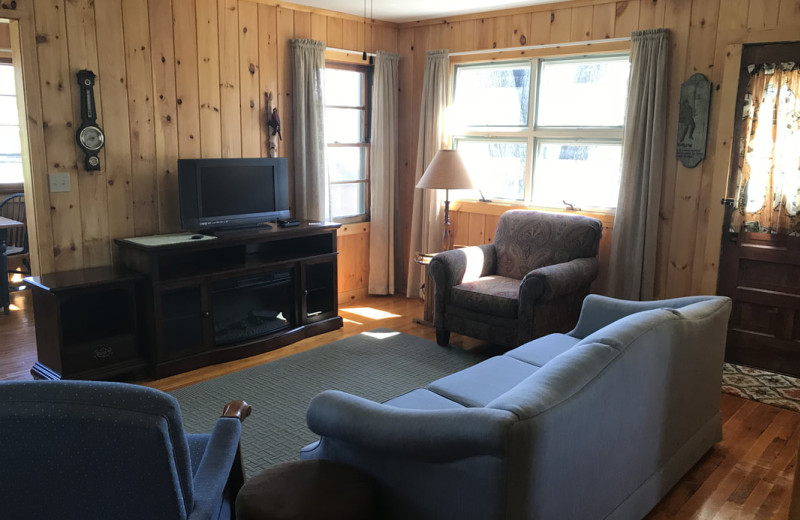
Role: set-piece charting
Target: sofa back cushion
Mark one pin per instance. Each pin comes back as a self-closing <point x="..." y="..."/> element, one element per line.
<point x="526" y="240"/>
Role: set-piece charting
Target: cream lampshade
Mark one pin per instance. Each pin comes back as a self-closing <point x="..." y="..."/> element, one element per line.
<point x="446" y="172"/>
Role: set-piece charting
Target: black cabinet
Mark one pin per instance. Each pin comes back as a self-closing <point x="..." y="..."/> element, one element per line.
<point x="235" y="295"/>
<point x="87" y="324"/>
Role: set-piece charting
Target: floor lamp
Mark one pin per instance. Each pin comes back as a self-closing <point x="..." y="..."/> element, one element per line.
<point x="446" y="172"/>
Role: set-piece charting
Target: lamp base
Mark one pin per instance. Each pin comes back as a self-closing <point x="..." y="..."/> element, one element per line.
<point x="447" y="236"/>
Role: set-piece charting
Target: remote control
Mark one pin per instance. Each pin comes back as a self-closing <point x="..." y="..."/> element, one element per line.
<point x="288" y="222"/>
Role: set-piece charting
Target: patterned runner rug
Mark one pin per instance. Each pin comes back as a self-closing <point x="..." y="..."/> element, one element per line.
<point x="760" y="385"/>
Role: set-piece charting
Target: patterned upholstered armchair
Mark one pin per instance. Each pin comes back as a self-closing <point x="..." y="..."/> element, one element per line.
<point x="89" y="449"/>
<point x="530" y="282"/>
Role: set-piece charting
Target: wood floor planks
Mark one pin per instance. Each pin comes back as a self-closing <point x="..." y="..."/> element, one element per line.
<point x="748" y="475"/>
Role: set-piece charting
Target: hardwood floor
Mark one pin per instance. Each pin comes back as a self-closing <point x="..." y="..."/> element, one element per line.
<point x="746" y="476"/>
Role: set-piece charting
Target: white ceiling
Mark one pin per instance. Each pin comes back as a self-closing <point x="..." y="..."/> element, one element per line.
<point x="399" y="11"/>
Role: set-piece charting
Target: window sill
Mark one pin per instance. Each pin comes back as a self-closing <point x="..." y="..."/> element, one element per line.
<point x="497" y="208"/>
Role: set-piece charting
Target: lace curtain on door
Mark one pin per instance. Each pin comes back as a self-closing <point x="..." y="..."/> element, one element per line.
<point x="768" y="191"/>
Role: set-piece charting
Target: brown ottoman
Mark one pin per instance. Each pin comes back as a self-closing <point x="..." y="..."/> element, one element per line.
<point x="307" y="489"/>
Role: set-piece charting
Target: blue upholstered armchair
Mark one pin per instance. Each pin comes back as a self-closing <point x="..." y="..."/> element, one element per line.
<point x="86" y="450"/>
<point x="530" y="282"/>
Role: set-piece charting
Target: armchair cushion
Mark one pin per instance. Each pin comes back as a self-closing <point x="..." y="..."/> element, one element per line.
<point x="496" y="295"/>
<point x="526" y="240"/>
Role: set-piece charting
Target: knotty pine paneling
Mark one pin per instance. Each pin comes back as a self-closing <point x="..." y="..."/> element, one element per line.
<point x="175" y="78"/>
<point x="5" y="40"/>
<point x="353" y="261"/>
<point x="165" y="117"/>
<point x="701" y="33"/>
<point x="82" y="48"/>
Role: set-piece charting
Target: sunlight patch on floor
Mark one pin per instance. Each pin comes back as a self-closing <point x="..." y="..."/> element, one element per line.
<point x="371" y="313"/>
<point x="380" y="335"/>
<point x="347" y="320"/>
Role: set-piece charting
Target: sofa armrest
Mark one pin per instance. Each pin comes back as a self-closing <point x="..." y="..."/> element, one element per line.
<point x="599" y="311"/>
<point x="450" y="268"/>
<point x="215" y="467"/>
<point x="553" y="281"/>
<point x="424" y="435"/>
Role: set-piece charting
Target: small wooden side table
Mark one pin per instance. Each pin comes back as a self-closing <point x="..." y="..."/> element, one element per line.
<point x="86" y="324"/>
<point x="424" y="259"/>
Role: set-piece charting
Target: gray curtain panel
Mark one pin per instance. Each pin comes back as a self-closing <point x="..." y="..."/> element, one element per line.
<point x="383" y="172"/>
<point x="633" y="248"/>
<point x="311" y="192"/>
<point x="426" y="220"/>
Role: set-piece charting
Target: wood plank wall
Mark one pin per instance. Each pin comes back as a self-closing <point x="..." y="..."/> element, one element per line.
<point x="702" y="31"/>
<point x="5" y="41"/>
<point x="176" y="78"/>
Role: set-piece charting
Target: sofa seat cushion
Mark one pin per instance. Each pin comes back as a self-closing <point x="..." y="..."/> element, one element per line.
<point x="482" y="383"/>
<point x="422" y="399"/>
<point x="541" y="350"/>
<point x="495" y="295"/>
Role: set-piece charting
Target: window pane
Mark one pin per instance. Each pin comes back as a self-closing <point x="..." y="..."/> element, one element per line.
<point x="8" y="110"/>
<point x="344" y="88"/>
<point x="346" y="164"/>
<point x="10" y="168"/>
<point x="9" y="140"/>
<point x="348" y="200"/>
<point x="583" y="93"/>
<point x="344" y="125"/>
<point x="7" y="80"/>
<point x="497" y="167"/>
<point x="583" y="174"/>
<point x="496" y="95"/>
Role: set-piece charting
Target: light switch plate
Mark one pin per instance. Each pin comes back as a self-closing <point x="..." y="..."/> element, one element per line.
<point x="59" y="182"/>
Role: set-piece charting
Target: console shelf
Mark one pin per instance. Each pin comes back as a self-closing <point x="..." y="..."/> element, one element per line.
<point x="242" y="293"/>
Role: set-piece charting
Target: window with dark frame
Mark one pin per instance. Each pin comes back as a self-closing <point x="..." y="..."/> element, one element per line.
<point x="543" y="131"/>
<point x="347" y="137"/>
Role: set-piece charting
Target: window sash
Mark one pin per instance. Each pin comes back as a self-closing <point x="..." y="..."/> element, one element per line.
<point x="364" y="143"/>
<point x="533" y="133"/>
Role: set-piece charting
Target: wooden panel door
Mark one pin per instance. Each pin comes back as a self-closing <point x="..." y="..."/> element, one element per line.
<point x="761" y="273"/>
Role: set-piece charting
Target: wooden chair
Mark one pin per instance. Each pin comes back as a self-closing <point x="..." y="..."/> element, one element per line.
<point x="13" y="207"/>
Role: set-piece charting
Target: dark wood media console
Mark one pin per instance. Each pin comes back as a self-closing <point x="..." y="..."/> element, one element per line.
<point x="235" y="295"/>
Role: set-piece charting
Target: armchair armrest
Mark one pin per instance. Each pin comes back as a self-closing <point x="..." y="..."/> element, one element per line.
<point x="553" y="281"/>
<point x="598" y="311"/>
<point x="450" y="268"/>
<point x="218" y="460"/>
<point x="237" y="410"/>
<point x="424" y="435"/>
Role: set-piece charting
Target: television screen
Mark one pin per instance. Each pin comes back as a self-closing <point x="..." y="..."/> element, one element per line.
<point x="224" y="193"/>
<point x="236" y="190"/>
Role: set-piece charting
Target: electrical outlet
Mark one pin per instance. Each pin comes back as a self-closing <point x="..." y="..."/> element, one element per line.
<point x="59" y="182"/>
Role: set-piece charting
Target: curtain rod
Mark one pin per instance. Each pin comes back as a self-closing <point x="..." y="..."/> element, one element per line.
<point x="349" y="51"/>
<point x="543" y="46"/>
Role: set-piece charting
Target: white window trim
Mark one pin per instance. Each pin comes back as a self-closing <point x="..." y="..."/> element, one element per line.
<point x="532" y="134"/>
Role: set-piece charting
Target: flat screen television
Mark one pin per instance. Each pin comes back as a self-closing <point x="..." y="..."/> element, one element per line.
<point x="231" y="193"/>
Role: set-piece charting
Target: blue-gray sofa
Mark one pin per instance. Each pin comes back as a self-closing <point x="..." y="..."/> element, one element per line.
<point x="598" y="423"/>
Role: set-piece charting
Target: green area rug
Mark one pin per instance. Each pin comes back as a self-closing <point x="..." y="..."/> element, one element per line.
<point x="376" y="365"/>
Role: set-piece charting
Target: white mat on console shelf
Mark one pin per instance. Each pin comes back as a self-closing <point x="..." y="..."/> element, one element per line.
<point x="163" y="240"/>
